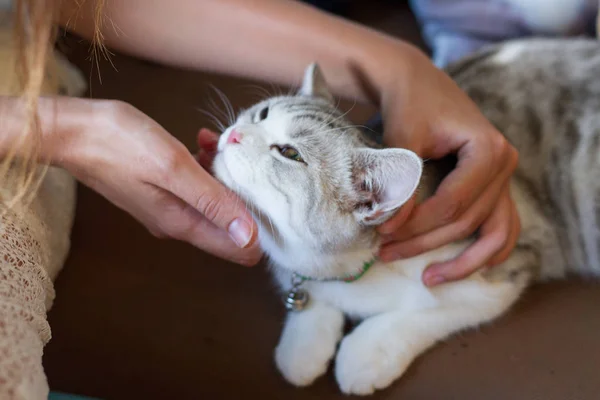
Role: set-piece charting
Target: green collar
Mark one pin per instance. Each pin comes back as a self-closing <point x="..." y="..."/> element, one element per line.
<point x="348" y="279"/>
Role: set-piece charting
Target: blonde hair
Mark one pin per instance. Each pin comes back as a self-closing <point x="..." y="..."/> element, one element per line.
<point x="34" y="35"/>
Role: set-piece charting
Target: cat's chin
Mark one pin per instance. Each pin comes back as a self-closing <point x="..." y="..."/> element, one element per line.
<point x="221" y="172"/>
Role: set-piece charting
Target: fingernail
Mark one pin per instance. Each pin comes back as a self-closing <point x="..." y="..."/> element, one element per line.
<point x="240" y="232"/>
<point x="434" y="280"/>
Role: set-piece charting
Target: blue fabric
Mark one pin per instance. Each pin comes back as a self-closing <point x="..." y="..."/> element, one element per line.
<point x="455" y="28"/>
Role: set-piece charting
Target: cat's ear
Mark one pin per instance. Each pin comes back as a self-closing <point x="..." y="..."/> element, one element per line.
<point x="385" y="180"/>
<point x="314" y="83"/>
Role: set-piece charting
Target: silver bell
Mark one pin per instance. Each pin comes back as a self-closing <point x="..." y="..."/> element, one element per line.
<point x="296" y="299"/>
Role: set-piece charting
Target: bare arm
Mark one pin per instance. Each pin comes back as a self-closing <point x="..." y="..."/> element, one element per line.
<point x="269" y="40"/>
<point x="423" y="109"/>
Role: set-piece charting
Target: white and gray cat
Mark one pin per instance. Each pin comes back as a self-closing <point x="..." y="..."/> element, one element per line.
<point x="319" y="187"/>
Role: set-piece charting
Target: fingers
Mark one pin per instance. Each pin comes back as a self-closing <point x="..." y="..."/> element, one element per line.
<point x="197" y="188"/>
<point x="477" y="168"/>
<point x="175" y="219"/>
<point x="206" y="236"/>
<point x="205" y="160"/>
<point x="495" y="236"/>
<point x="400" y="218"/>
<point x="503" y="254"/>
<point x="460" y="229"/>
<point x="207" y="140"/>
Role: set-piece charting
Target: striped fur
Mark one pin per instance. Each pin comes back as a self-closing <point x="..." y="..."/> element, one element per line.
<point x="546" y="101"/>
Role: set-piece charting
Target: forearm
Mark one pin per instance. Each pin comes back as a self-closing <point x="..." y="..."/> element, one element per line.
<point x="269" y="40"/>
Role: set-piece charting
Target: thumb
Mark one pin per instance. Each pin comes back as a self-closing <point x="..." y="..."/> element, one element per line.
<point x="218" y="204"/>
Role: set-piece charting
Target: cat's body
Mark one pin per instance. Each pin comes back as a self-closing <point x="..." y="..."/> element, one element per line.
<point x="544" y="96"/>
<point x="319" y="188"/>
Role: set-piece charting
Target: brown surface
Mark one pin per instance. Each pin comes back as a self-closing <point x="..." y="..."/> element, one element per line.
<point x="140" y="318"/>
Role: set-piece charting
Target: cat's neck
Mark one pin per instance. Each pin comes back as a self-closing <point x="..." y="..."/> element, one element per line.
<point x="318" y="264"/>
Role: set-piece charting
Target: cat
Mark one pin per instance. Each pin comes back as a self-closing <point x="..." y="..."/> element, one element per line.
<point x="318" y="187"/>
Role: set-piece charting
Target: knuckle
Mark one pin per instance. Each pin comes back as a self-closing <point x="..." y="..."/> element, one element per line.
<point x="175" y="157"/>
<point x="116" y="110"/>
<point x="513" y="160"/>
<point x="505" y="153"/>
<point x="500" y="147"/>
<point x="452" y="211"/>
<point x="498" y="241"/>
<point x="499" y="144"/>
<point x="465" y="227"/>
<point x="210" y="206"/>
<point x="171" y="163"/>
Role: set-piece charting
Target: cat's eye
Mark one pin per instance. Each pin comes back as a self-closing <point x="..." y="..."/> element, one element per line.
<point x="263" y="114"/>
<point x="289" y="152"/>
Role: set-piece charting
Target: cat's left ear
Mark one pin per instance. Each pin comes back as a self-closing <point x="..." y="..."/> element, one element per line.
<point x="314" y="84"/>
<point x="385" y="180"/>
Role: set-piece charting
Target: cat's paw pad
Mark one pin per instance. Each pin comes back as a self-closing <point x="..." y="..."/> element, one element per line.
<point x="365" y="364"/>
<point x="302" y="363"/>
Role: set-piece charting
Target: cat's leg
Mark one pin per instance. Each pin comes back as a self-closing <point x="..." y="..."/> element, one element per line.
<point x="380" y="349"/>
<point x="308" y="343"/>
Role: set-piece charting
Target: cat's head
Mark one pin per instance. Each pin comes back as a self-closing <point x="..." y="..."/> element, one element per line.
<point x="314" y="182"/>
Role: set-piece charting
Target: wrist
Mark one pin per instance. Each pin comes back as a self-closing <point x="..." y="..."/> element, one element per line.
<point x="375" y="64"/>
<point x="392" y="73"/>
<point x="64" y="122"/>
<point x="25" y="134"/>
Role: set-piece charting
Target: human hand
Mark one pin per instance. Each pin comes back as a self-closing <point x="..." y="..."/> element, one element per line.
<point x="429" y="114"/>
<point x="207" y="144"/>
<point x="132" y="161"/>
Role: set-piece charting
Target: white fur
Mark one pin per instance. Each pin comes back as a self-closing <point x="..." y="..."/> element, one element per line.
<point x="401" y="318"/>
<point x="509" y="53"/>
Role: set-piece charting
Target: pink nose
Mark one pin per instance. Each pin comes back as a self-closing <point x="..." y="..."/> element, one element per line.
<point x="234" y="137"/>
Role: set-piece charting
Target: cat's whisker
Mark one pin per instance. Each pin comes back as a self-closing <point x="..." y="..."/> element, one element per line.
<point x="344" y="114"/>
<point x="213" y="118"/>
<point x="279" y="90"/>
<point x="215" y="107"/>
<point x="230" y="112"/>
<point x="217" y="111"/>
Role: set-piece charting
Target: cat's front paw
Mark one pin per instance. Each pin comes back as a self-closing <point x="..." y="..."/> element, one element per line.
<point x="302" y="361"/>
<point x="308" y="343"/>
<point x="367" y="362"/>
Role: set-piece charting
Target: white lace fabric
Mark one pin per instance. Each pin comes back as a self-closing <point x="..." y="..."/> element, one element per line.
<point x="34" y="243"/>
